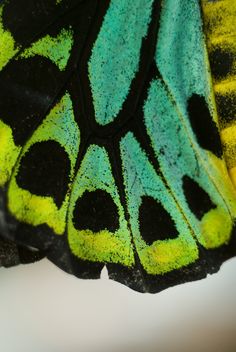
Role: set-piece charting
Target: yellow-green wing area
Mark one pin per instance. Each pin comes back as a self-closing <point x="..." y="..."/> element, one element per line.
<point x="110" y="151"/>
<point x="55" y="144"/>
<point x="220" y="31"/>
<point x="11" y="48"/>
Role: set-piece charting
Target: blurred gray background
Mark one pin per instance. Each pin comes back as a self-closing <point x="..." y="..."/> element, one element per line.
<point x="43" y="309"/>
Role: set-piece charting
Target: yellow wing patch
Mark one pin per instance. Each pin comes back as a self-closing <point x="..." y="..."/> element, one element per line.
<point x="220" y="30"/>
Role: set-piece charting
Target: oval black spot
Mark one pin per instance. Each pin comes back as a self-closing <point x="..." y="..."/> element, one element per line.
<point x="96" y="211"/>
<point x="198" y="200"/>
<point x="44" y="171"/>
<point x="203" y="125"/>
<point x="221" y="62"/>
<point x="27" y="90"/>
<point x="155" y="222"/>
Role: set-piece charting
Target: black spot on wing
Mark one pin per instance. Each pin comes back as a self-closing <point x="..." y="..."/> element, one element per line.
<point x="96" y="211"/>
<point x="44" y="171"/>
<point x="221" y="62"/>
<point x="26" y="18"/>
<point x="198" y="200"/>
<point x="204" y="127"/>
<point x="226" y="105"/>
<point x="27" y="90"/>
<point x="155" y="222"/>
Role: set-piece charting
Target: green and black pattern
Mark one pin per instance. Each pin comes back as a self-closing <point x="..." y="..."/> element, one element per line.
<point x="109" y="146"/>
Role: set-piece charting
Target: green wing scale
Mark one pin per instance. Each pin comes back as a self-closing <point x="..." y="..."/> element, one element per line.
<point x="110" y="153"/>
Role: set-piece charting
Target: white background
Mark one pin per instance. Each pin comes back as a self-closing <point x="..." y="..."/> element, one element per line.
<point x="43" y="309"/>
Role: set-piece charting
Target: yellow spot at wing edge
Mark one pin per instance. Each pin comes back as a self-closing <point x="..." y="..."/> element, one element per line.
<point x="8" y="153"/>
<point x="216" y="228"/>
<point x="103" y="244"/>
<point x="36" y="208"/>
<point x="165" y="256"/>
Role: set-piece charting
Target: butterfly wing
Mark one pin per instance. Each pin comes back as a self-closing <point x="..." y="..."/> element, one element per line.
<point x="110" y="152"/>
